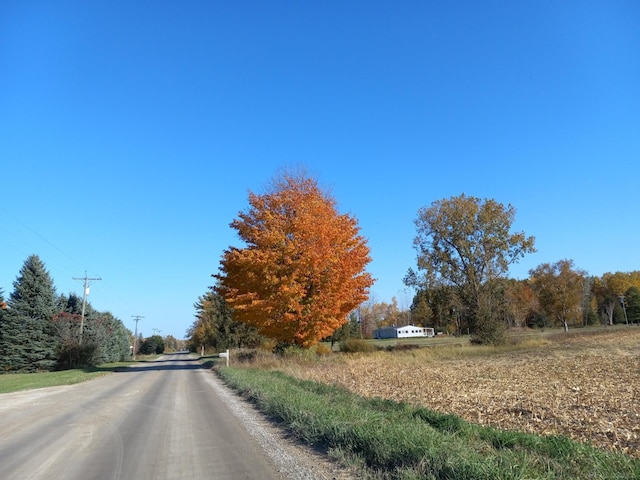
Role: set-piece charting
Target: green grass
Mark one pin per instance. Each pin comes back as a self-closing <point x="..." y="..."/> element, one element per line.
<point x="13" y="382"/>
<point x="390" y="440"/>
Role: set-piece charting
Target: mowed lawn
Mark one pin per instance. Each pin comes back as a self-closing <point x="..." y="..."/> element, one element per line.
<point x="14" y="382"/>
<point x="582" y="384"/>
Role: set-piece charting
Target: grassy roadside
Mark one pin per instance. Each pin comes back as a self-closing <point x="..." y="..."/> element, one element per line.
<point x="390" y="440"/>
<point x="14" y="382"/>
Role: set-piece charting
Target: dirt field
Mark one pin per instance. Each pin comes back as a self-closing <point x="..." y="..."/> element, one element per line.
<point x="586" y="387"/>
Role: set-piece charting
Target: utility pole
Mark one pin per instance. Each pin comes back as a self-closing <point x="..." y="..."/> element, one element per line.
<point x="135" y="336"/>
<point x="84" y="299"/>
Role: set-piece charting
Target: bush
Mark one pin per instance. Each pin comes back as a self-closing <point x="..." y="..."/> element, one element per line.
<point x="74" y="355"/>
<point x="245" y="355"/>
<point x="402" y="348"/>
<point x="490" y="331"/>
<point x="538" y="320"/>
<point x="356" y="345"/>
<point x="151" y="345"/>
<point x="285" y="348"/>
<point x="322" y="349"/>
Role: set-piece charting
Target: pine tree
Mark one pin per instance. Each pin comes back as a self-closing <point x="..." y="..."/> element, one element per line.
<point x="105" y="338"/>
<point x="26" y="343"/>
<point x="216" y="328"/>
<point x="633" y="304"/>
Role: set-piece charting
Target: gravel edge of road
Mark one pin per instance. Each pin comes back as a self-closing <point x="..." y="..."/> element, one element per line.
<point x="292" y="459"/>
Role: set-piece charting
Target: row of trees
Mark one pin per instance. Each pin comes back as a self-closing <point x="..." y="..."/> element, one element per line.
<point x="40" y="330"/>
<point x="464" y="248"/>
<point x="300" y="275"/>
<point x="156" y="344"/>
<point x="555" y="295"/>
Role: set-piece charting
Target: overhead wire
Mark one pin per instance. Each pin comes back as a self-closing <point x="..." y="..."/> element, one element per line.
<point x="105" y="289"/>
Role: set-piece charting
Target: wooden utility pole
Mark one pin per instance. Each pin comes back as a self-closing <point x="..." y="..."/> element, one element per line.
<point x="135" y="336"/>
<point x="84" y="299"/>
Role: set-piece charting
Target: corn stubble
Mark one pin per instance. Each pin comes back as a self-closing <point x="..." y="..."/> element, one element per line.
<point x="584" y="387"/>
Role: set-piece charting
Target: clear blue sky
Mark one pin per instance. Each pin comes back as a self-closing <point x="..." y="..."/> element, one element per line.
<point x="131" y="132"/>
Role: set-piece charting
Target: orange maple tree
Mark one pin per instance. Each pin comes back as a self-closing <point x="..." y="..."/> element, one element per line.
<point x="303" y="267"/>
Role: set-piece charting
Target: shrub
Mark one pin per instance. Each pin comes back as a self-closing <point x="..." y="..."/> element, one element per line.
<point x="73" y="355"/>
<point x="489" y="332"/>
<point x="245" y="355"/>
<point x="151" y="345"/>
<point x="322" y="349"/>
<point x="356" y="345"/>
<point x="401" y="348"/>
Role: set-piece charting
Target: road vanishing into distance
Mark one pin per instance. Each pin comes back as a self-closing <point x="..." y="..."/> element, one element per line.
<point x="160" y="420"/>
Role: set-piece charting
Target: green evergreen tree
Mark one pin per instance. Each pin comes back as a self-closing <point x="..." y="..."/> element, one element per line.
<point x="71" y="304"/>
<point x="216" y="328"/>
<point x="351" y="329"/>
<point x="105" y="337"/>
<point x="151" y="345"/>
<point x="26" y="340"/>
<point x="111" y="336"/>
<point x="66" y="328"/>
<point x="632" y="299"/>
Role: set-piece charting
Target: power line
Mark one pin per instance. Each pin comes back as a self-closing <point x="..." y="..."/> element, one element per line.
<point x="42" y="237"/>
<point x="27" y="246"/>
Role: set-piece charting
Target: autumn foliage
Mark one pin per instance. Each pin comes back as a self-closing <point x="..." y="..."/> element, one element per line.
<point x="303" y="267"/>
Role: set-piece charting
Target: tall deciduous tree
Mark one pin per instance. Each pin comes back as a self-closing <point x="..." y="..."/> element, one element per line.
<point x="26" y="342"/>
<point x="610" y="288"/>
<point x="303" y="267"/>
<point x="521" y="302"/>
<point x="466" y="242"/>
<point x="380" y="314"/>
<point x="171" y="343"/>
<point x="560" y="291"/>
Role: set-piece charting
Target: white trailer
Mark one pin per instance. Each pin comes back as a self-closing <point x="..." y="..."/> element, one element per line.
<point x="406" y="331"/>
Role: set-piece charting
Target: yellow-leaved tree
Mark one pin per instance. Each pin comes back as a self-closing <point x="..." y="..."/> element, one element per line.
<point x="302" y="269"/>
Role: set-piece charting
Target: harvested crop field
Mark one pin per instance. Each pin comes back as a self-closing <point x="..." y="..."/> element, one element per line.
<point x="584" y="386"/>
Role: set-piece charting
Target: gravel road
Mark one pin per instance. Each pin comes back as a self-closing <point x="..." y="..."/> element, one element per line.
<point x="169" y="419"/>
